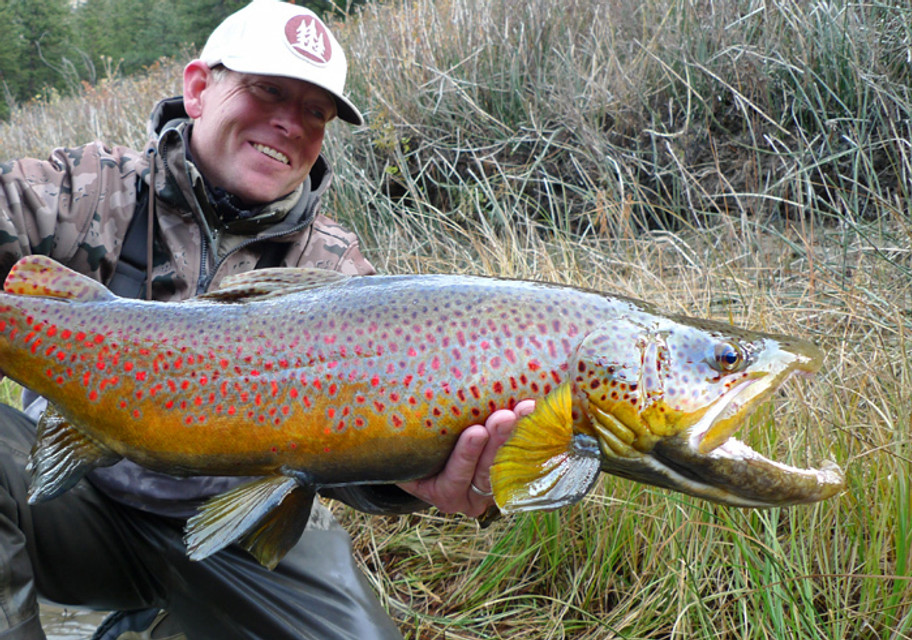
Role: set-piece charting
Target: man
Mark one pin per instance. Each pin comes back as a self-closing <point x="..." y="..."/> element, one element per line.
<point x="231" y="181"/>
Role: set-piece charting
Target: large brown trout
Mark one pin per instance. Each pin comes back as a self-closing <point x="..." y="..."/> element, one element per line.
<point x="312" y="379"/>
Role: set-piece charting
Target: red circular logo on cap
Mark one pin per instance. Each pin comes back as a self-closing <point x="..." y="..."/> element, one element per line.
<point x="308" y="38"/>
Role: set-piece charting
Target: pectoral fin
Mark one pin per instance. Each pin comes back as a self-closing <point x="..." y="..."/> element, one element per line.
<point x="266" y="516"/>
<point x="61" y="456"/>
<point x="544" y="464"/>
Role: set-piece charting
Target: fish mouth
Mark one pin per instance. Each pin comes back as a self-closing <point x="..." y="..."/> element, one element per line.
<point x="704" y="459"/>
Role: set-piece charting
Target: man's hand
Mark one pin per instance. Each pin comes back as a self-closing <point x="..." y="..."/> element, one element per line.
<point x="470" y="464"/>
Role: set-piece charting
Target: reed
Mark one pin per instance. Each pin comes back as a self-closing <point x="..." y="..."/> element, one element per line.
<point x="742" y="160"/>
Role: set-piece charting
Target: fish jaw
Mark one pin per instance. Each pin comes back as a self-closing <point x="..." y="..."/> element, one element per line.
<point x="676" y="430"/>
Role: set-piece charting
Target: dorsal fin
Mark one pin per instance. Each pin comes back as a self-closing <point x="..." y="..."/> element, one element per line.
<point x="271" y="283"/>
<point x="41" y="276"/>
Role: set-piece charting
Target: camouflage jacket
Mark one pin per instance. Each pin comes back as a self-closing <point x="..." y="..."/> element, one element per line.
<point x="77" y="207"/>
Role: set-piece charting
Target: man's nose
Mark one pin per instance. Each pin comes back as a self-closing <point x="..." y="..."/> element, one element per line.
<point x="287" y="118"/>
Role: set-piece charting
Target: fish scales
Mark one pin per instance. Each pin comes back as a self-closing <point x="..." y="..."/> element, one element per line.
<point x="313" y="379"/>
<point x="338" y="370"/>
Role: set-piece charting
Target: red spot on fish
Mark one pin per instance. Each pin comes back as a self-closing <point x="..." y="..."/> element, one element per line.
<point x="185" y="384"/>
<point x="394" y="397"/>
<point x="100" y="365"/>
<point x="379" y="406"/>
<point x="169" y="404"/>
<point x="534" y="365"/>
<point x="52" y="331"/>
<point x="332" y="389"/>
<point x="435" y="363"/>
<point x="397" y="421"/>
<point x="293" y="393"/>
<point x="99" y="338"/>
<point x="141" y="376"/>
<point x="330" y="413"/>
<point x="93" y="395"/>
<point x="231" y="410"/>
<point x="306" y="402"/>
<point x="498" y="387"/>
<point x="203" y="380"/>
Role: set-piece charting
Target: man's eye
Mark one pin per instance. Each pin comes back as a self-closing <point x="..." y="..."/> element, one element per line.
<point x="267" y="92"/>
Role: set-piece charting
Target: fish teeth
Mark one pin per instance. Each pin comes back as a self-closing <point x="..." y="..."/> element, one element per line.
<point x="272" y="153"/>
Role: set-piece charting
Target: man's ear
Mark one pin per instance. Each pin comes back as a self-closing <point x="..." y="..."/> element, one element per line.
<point x="197" y="76"/>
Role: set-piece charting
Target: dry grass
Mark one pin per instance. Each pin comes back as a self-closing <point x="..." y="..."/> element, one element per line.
<point x="747" y="161"/>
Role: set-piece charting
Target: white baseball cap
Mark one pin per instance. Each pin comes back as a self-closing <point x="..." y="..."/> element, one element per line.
<point x="274" y="38"/>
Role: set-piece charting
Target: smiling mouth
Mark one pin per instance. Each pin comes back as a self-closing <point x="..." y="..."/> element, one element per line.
<point x="272" y="153"/>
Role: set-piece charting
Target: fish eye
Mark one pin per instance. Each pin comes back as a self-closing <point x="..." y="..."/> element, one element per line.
<point x="727" y="358"/>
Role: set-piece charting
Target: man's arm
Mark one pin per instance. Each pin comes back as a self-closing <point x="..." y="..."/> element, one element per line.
<point x="74" y="206"/>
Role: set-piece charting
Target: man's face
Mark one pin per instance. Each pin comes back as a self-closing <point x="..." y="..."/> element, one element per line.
<point x="256" y="137"/>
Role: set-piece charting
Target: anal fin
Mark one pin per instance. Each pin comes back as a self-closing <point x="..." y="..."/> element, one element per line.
<point x="266" y="516"/>
<point x="61" y="456"/>
<point x="545" y="465"/>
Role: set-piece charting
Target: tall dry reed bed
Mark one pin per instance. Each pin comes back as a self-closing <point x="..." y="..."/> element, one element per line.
<point x="744" y="160"/>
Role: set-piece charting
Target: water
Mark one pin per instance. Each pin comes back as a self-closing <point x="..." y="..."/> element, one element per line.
<point x="66" y="623"/>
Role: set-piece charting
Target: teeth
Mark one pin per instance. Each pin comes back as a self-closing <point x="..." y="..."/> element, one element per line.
<point x="272" y="153"/>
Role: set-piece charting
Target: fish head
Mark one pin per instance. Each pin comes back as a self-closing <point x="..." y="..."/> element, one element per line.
<point x="663" y="397"/>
